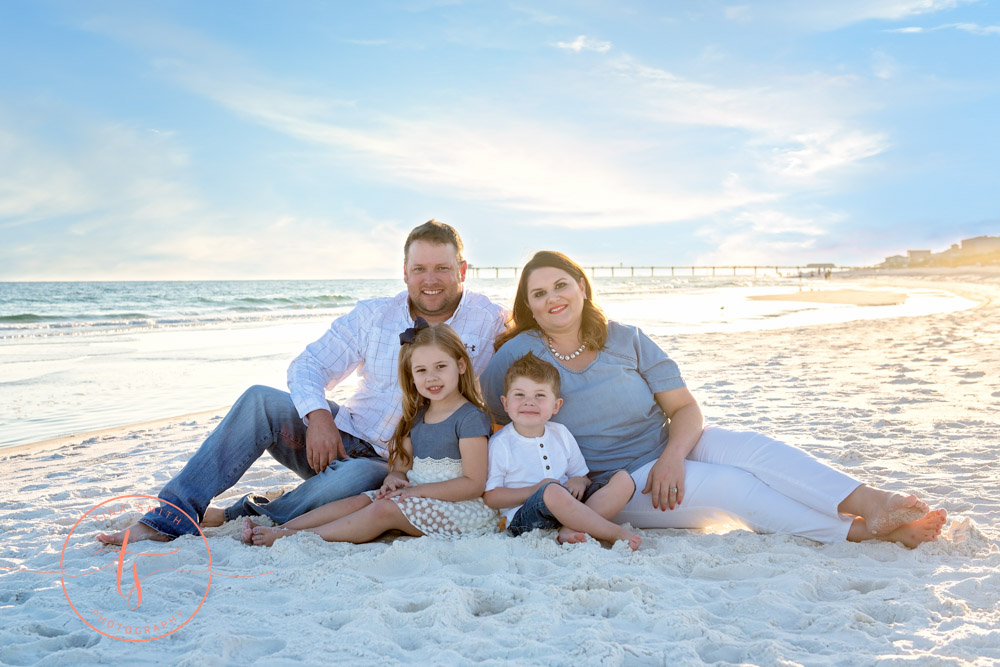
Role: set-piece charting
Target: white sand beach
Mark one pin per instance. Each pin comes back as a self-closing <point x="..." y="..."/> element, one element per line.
<point x="908" y="403"/>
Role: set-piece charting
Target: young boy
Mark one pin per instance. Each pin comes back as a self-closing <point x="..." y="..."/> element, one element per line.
<point x="537" y="475"/>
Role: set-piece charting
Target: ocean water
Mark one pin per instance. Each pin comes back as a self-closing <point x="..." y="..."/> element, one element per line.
<point x="77" y="357"/>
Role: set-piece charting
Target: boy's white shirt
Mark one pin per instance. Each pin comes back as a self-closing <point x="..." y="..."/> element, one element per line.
<point x="517" y="461"/>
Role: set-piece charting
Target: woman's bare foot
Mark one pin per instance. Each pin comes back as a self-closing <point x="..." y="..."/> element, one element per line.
<point x="915" y="533"/>
<point x="883" y="511"/>
<point x="137" y="532"/>
<point x="567" y="536"/>
<point x="213" y="518"/>
<point x="265" y="537"/>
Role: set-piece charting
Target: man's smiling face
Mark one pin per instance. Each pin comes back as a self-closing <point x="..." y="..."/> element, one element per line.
<point x="433" y="275"/>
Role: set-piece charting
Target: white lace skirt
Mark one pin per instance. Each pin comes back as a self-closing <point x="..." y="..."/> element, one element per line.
<point x="442" y="518"/>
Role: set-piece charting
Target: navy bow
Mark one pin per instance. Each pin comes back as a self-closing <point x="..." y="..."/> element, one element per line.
<point x="407" y="336"/>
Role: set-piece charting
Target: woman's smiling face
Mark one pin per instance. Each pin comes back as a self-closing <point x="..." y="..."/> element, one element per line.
<point x="555" y="300"/>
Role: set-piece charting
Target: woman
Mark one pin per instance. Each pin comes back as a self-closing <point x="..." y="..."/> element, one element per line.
<point x="628" y="407"/>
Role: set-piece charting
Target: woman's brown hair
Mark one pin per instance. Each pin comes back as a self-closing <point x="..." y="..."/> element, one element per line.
<point x="593" y="328"/>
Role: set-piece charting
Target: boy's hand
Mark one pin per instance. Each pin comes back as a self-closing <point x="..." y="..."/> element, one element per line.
<point x="577" y="486"/>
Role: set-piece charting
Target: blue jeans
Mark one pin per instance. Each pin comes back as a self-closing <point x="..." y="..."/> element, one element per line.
<point x="534" y="514"/>
<point x="263" y="419"/>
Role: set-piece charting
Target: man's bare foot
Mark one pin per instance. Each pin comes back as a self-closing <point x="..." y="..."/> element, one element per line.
<point x="265" y="537"/>
<point x="137" y="532"/>
<point x="567" y="536"/>
<point x="213" y="518"/>
<point x="915" y="533"/>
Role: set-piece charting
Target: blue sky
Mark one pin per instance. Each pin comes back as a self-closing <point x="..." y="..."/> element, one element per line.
<point x="252" y="139"/>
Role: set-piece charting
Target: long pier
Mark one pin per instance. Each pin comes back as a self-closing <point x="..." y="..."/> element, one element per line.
<point x="622" y="270"/>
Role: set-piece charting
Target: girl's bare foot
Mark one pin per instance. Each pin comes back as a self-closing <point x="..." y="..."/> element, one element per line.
<point x="567" y="536"/>
<point x="915" y="533"/>
<point x="213" y="518"/>
<point x="265" y="537"/>
<point x="634" y="542"/>
<point x="137" y="532"/>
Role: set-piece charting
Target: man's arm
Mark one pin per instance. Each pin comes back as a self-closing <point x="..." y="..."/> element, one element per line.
<point x="325" y="363"/>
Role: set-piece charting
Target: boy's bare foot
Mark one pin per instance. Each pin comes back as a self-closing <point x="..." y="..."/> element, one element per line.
<point x="137" y="532"/>
<point x="915" y="533"/>
<point x="265" y="537"/>
<point x="567" y="536"/>
<point x="213" y="518"/>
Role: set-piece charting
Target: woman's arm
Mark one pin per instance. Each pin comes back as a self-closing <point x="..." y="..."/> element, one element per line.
<point x="471" y="483"/>
<point x="684" y="429"/>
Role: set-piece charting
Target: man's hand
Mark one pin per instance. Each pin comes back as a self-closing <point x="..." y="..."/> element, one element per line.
<point x="323" y="441"/>
<point x="577" y="486"/>
<point x="666" y="481"/>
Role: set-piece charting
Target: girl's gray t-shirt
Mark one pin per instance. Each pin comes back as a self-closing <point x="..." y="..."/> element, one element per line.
<point x="440" y="440"/>
<point x="609" y="406"/>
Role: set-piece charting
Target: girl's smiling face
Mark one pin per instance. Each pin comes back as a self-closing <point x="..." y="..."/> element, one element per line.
<point x="435" y="372"/>
<point x="555" y="300"/>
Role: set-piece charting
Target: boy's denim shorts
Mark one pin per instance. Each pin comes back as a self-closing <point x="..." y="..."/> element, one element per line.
<point x="533" y="514"/>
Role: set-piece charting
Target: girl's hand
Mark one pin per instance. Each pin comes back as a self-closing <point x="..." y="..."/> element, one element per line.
<point x="408" y="491"/>
<point x="577" y="486"/>
<point x="392" y="483"/>
<point x="666" y="482"/>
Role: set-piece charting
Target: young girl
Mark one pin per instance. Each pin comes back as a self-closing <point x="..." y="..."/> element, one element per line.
<point x="437" y="457"/>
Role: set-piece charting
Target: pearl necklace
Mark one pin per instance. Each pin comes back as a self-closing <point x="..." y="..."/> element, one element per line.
<point x="566" y="357"/>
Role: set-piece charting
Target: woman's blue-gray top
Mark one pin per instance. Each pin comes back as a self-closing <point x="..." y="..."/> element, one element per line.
<point x="608" y="406"/>
<point x="440" y="440"/>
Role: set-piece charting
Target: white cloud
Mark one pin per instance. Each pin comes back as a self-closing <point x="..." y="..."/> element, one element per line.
<point x="738" y="13"/>
<point x="883" y="65"/>
<point x="584" y="43"/>
<point x="971" y="28"/>
<point x="832" y="15"/>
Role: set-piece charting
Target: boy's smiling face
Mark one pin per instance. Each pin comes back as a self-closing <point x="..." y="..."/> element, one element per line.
<point x="529" y="405"/>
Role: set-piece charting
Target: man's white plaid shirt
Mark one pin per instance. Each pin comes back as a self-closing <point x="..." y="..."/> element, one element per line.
<point x="367" y="340"/>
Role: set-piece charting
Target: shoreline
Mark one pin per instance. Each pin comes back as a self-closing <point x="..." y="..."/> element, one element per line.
<point x="819" y="291"/>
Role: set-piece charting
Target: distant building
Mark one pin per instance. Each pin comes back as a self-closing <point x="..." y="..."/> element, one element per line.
<point x="894" y="262"/>
<point x="981" y="245"/>
<point x="917" y="257"/>
<point x="820" y="266"/>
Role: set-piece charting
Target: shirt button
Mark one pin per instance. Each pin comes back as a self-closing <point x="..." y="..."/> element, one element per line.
<point x="546" y="467"/>
<point x="546" y="458"/>
<point x="541" y="444"/>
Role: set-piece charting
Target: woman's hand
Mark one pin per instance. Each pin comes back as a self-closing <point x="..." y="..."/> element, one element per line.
<point x="666" y="481"/>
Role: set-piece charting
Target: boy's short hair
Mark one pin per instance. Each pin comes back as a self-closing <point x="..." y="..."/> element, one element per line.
<point x="535" y="369"/>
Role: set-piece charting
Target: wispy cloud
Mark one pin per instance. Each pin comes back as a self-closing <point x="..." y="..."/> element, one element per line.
<point x="584" y="43"/>
<point x="971" y="28"/>
<point x="832" y="15"/>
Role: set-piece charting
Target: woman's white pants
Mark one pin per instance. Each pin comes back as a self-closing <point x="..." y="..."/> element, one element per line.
<point x="769" y="486"/>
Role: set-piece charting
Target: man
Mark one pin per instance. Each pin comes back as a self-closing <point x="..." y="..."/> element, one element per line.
<point x="340" y="450"/>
